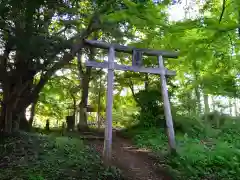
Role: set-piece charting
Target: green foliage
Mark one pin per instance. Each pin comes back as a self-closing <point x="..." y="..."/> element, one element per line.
<point x="35" y="177"/>
<point x="36" y="157"/>
<point x="203" y="152"/>
<point x="211" y="159"/>
<point x="215" y="119"/>
<point x="189" y="125"/>
<point x="150" y="138"/>
<point x="40" y="34"/>
<point x="151" y="112"/>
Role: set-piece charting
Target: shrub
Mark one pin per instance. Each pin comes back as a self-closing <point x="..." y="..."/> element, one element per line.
<point x="191" y="125"/>
<point x="203" y="152"/>
<point x="151" y="108"/>
<point x="35" y="157"/>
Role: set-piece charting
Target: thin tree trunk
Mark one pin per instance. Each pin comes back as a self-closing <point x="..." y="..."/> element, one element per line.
<point x="235" y="107"/>
<point x="146" y="83"/>
<point x="238" y="22"/>
<point x="198" y="101"/>
<point x="131" y="86"/>
<point x="74" y="108"/>
<point x="197" y="87"/>
<point x="99" y="104"/>
<point x="74" y="104"/>
<point x="230" y="106"/>
<point x="206" y="104"/>
<point x="189" y="108"/>
<point x="213" y="103"/>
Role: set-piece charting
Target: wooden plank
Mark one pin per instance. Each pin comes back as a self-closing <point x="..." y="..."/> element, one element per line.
<point x="167" y="109"/>
<point x="107" y="153"/>
<point x="131" y="68"/>
<point x="129" y="49"/>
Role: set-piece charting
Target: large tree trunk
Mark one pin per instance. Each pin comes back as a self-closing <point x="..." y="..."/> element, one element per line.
<point x="85" y="79"/>
<point x="18" y="90"/>
<point x="84" y="100"/>
<point x="32" y="112"/>
<point x="13" y="118"/>
<point x="23" y="122"/>
<point x="8" y="120"/>
<point x="6" y="110"/>
<point x="16" y="98"/>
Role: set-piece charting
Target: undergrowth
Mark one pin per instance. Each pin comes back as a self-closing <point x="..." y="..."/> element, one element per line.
<point x="38" y="157"/>
<point x="203" y="152"/>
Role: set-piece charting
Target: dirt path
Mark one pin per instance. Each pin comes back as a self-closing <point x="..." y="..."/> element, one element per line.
<point x="136" y="164"/>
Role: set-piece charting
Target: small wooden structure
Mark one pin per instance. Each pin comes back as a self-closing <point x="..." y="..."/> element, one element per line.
<point x="136" y="67"/>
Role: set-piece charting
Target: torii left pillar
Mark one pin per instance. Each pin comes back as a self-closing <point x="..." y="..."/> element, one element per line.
<point x="107" y="152"/>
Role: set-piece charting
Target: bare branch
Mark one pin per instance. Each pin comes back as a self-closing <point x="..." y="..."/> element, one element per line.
<point x="61" y="31"/>
<point x="223" y="10"/>
<point x="131" y="86"/>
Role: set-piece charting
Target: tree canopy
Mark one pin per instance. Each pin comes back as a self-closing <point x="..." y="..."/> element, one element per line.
<point x="40" y="38"/>
<point x="44" y="78"/>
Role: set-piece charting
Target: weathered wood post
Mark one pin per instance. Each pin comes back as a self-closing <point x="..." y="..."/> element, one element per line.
<point x="107" y="153"/>
<point x="167" y="108"/>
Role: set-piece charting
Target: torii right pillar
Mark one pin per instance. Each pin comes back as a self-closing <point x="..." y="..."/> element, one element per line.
<point x="167" y="109"/>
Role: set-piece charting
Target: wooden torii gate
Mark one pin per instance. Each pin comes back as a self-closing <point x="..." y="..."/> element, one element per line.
<point x="136" y="67"/>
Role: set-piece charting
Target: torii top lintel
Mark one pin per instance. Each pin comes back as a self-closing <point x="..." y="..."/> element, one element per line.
<point x="128" y="49"/>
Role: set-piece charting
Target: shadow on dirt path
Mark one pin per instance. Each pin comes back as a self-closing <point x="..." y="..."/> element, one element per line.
<point x="135" y="163"/>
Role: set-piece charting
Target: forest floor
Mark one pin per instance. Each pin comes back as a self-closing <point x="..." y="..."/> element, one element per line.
<point x="134" y="163"/>
<point x="34" y="156"/>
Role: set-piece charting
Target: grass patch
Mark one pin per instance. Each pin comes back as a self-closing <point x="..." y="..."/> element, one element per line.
<point x="39" y="157"/>
<point x="209" y="154"/>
